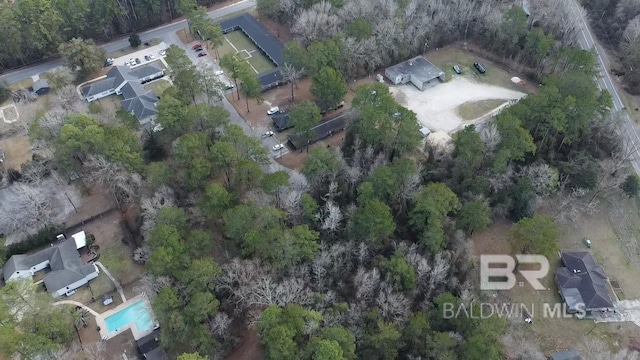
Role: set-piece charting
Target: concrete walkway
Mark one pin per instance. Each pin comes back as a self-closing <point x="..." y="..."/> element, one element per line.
<point x="71" y="302"/>
<point x="118" y="287"/>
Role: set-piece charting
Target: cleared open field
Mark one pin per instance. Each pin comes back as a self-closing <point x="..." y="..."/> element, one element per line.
<point x="236" y="42"/>
<point x="474" y="109"/>
<point x="609" y="248"/>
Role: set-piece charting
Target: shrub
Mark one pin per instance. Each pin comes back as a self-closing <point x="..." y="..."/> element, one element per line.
<point x="45" y="236"/>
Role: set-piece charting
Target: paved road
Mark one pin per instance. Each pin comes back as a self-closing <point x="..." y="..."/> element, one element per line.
<point x="163" y="33"/>
<point x="587" y="41"/>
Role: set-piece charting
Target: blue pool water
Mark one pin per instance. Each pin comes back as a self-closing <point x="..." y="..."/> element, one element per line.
<point x="136" y="313"/>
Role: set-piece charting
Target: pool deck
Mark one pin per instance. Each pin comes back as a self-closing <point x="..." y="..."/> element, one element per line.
<point x="104" y="332"/>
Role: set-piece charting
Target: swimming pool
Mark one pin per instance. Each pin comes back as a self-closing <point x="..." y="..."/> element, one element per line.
<point x="136" y="313"/>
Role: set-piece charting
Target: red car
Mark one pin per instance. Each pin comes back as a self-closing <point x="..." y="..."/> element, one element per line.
<point x="196" y="46"/>
<point x="202" y="54"/>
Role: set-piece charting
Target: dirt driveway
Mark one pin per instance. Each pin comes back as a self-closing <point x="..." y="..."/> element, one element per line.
<point x="437" y="106"/>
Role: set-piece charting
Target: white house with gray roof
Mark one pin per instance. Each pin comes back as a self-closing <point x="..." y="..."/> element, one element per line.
<point x="68" y="272"/>
<point x="418" y="71"/>
<point x="121" y="80"/>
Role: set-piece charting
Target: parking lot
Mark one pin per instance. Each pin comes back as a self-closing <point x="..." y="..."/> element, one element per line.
<point x="438" y="107"/>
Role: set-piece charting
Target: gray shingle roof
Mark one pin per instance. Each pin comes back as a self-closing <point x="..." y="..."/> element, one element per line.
<point x="418" y="67"/>
<point x="40" y="84"/>
<point x="64" y="261"/>
<point x="98" y="87"/>
<point x="142" y="106"/>
<point x="323" y="130"/>
<point x="582" y="273"/>
<point x="144" y="71"/>
<point x="120" y="74"/>
<point x="132" y="89"/>
<point x="566" y="355"/>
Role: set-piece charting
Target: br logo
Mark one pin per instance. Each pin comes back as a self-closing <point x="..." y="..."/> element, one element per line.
<point x="502" y="277"/>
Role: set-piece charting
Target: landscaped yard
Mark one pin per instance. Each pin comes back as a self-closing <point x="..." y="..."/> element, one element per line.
<point x="474" y="109"/>
<point x="236" y="42"/>
<point x="158" y="86"/>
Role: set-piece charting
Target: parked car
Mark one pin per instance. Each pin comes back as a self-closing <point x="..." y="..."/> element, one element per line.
<point x="132" y="61"/>
<point x="126" y="63"/>
<point x="108" y="63"/>
<point x="229" y="87"/>
<point x="163" y="52"/>
<point x="277" y="147"/>
<point x="147" y="58"/>
<point x="138" y="61"/>
<point x="456" y="68"/>
<point x="218" y="73"/>
<point x="268" y="134"/>
<point x="151" y="56"/>
<point x="274" y="110"/>
<point x="479" y="67"/>
<point x="202" y="54"/>
<point x="199" y="49"/>
<point x="196" y="46"/>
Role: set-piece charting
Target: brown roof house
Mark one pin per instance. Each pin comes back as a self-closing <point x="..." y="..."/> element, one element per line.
<point x="583" y="283"/>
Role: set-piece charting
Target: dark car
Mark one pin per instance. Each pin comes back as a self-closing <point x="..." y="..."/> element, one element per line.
<point x="456" y="68"/>
<point x="138" y="61"/>
<point x="202" y="54"/>
<point x="199" y="49"/>
<point x="479" y="67"/>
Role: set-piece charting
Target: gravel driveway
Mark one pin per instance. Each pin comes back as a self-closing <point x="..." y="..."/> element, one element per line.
<point x="437" y="106"/>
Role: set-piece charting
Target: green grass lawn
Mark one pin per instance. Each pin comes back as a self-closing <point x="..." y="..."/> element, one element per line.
<point x="22" y="84"/>
<point x="445" y="59"/>
<point x="158" y="86"/>
<point x="236" y="41"/>
<point x="475" y="109"/>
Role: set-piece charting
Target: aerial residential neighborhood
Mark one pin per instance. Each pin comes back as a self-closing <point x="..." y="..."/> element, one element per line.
<point x="357" y="179"/>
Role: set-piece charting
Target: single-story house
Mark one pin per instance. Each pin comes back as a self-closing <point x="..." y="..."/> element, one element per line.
<point x="68" y="272"/>
<point x="418" y="71"/>
<point x="583" y="283"/>
<point x="570" y="354"/>
<point x="149" y="347"/>
<point x="265" y="42"/>
<point x="121" y="80"/>
<point x="323" y="130"/>
<point x="281" y="121"/>
<point x="41" y="87"/>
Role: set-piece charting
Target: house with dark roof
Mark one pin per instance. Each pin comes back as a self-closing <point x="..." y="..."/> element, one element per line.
<point x="121" y="80"/>
<point x="323" y="130"/>
<point x="67" y="271"/>
<point x="570" y="354"/>
<point x="583" y="283"/>
<point x="149" y="347"/>
<point x="418" y="71"/>
<point x="41" y="87"/>
<point x="281" y="121"/>
<point x="265" y="42"/>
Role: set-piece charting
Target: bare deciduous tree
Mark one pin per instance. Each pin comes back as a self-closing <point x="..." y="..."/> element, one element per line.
<point x="26" y="208"/>
<point x="219" y="325"/>
<point x="394" y="306"/>
<point x="141" y="254"/>
<point x="543" y="178"/>
<point x="291" y="75"/>
<point x="366" y="283"/>
<point x="122" y="184"/>
<point x="316" y="23"/>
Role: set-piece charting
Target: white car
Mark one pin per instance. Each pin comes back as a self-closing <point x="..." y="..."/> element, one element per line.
<point x="274" y="110"/>
<point x="151" y="56"/>
<point x="126" y="63"/>
<point x="218" y="73"/>
<point x="278" y="147"/>
<point x="268" y="134"/>
<point x="157" y="128"/>
<point x="163" y="52"/>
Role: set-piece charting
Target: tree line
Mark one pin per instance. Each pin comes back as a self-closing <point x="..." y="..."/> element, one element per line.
<point x="35" y="28"/>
